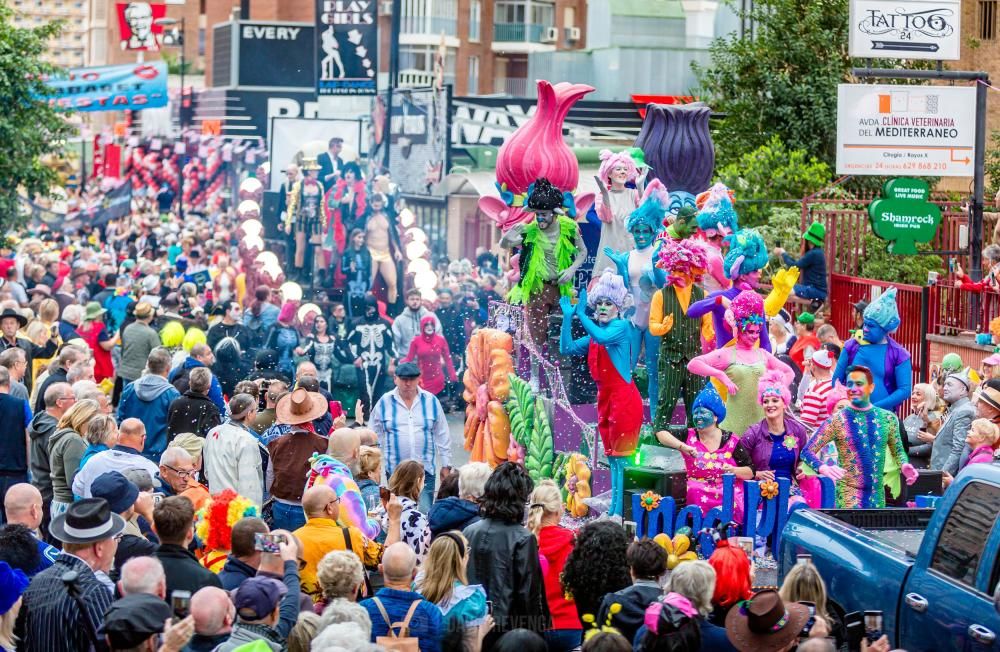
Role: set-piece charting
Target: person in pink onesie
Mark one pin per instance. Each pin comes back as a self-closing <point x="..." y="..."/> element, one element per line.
<point x="430" y="351"/>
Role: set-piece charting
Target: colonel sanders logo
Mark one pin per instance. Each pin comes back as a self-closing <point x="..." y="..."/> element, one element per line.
<point x="137" y="23"/>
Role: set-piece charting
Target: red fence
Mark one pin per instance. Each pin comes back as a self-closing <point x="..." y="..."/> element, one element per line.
<point x="951" y="310"/>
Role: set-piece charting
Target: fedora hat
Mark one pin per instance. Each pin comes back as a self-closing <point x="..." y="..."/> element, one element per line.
<point x="764" y="623"/>
<point x="87" y="521"/>
<point x="93" y="311"/>
<point x="10" y="312"/>
<point x="300" y="406"/>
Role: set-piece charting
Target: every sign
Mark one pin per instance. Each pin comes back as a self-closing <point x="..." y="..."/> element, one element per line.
<point x="907" y="29"/>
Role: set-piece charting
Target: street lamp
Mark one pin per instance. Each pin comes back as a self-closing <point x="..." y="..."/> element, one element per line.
<point x="175" y="37"/>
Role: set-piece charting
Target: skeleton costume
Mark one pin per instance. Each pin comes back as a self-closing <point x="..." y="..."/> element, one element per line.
<point x="322" y="355"/>
<point x="371" y="340"/>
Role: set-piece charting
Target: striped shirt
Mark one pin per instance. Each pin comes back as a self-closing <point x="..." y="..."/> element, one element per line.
<point x="814" y="403"/>
<point x="417" y="433"/>
<point x="50" y="619"/>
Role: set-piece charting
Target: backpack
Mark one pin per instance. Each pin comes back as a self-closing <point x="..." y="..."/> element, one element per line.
<point x="402" y="642"/>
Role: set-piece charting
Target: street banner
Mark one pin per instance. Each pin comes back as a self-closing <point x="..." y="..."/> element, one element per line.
<point x="137" y="26"/>
<point x="113" y="205"/>
<point x="922" y="131"/>
<point x="111" y="88"/>
<point x="418" y="144"/>
<point x="906" y="29"/>
<point x="346" y="47"/>
<point x="291" y="136"/>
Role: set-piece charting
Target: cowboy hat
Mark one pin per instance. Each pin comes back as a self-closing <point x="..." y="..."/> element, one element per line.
<point x="300" y="406"/>
<point x="41" y="288"/>
<point x="764" y="623"/>
<point x="86" y="521"/>
<point x="10" y="312"/>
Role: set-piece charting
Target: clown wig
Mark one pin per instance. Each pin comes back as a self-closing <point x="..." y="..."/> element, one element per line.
<point x="834" y="396"/>
<point x="772" y="383"/>
<point x="610" y="160"/>
<point x="683" y="260"/>
<point x="709" y="399"/>
<point x="747" y="253"/>
<point x="608" y="286"/>
<point x="747" y="308"/>
<point x="716" y="212"/>
<point x="215" y="520"/>
<point x="652" y="209"/>
<point x="732" y="574"/>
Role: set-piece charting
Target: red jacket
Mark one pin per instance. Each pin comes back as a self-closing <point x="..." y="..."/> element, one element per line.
<point x="554" y="545"/>
<point x="431" y="352"/>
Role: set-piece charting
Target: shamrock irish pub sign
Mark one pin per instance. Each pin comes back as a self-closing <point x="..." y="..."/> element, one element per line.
<point x="904" y="216"/>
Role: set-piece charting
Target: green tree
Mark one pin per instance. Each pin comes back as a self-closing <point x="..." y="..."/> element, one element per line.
<point x="772" y="171"/>
<point x="29" y="128"/>
<point x="879" y="264"/>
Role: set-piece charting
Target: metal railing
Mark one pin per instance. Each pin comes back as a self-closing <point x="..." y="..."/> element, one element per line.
<point x="515" y="87"/>
<point x="518" y="32"/>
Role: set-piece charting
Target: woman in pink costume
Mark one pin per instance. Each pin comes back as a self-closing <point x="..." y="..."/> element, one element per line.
<point x="615" y="203"/>
<point x="431" y="352"/>
<point x="739" y="368"/>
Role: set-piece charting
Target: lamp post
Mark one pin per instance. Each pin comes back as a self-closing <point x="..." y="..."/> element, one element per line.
<point x="176" y="38"/>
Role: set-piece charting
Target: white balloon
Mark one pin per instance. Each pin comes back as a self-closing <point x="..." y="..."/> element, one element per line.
<point x="248" y="209"/>
<point x="416" y="250"/>
<point x="253" y="242"/>
<point x="418" y="265"/>
<point x="308" y="308"/>
<point x="407" y="218"/>
<point x="252" y="227"/>
<point x="267" y="258"/>
<point x="291" y="291"/>
<point x="417" y="235"/>
<point x="428" y="294"/>
<point x="426" y="280"/>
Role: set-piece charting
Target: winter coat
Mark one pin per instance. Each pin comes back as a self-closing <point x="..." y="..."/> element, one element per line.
<point x="431" y="353"/>
<point x="148" y="399"/>
<point x="452" y="513"/>
<point x="40" y="430"/>
<point x="192" y="412"/>
<point x="66" y="448"/>
<point x="554" y="544"/>
<point x="180" y="378"/>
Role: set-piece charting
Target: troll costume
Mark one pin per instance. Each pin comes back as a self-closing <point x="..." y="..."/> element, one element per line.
<point x="615" y="203"/>
<point x="863" y="434"/>
<point x="705" y="468"/>
<point x="739" y="368"/>
<point x="635" y="268"/>
<point x="608" y="347"/>
<point x="214" y="525"/>
<point x="875" y="349"/>
<point x="716" y="221"/>
<point x="324" y="469"/>
<point x="747" y="256"/>
<point x="684" y="262"/>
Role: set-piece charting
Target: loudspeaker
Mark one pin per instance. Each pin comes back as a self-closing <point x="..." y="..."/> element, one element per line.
<point x="269" y="216"/>
<point x="639" y="480"/>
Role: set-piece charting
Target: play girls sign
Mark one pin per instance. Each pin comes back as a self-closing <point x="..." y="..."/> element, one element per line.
<point x="905" y="29"/>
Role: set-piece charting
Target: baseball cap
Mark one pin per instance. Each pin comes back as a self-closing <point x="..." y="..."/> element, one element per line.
<point x="116" y="489"/>
<point x="257" y="597"/>
<point x="133" y="619"/>
<point x="149" y="283"/>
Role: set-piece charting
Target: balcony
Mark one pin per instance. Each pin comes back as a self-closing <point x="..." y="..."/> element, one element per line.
<point x="518" y="32"/>
<point x="511" y="86"/>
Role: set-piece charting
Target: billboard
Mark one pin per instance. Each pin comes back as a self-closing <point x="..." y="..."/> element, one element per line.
<point x="419" y="140"/>
<point x="110" y="88"/>
<point x="346" y="47"/>
<point x="906" y="29"/>
<point x="137" y="26"/>
<point x="277" y="55"/>
<point x="906" y="130"/>
<point x="289" y="135"/>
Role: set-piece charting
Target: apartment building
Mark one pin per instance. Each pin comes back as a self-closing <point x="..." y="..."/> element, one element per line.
<point x="70" y="48"/>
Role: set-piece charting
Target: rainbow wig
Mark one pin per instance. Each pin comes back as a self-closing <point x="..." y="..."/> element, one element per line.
<point x="214" y="524"/>
<point x="328" y="470"/>
<point x="772" y="383"/>
<point x="747" y="253"/>
<point x="716" y="212"/>
<point x="684" y="261"/>
<point x="709" y="399"/>
<point x="732" y="574"/>
<point x="608" y="286"/>
<point x="610" y="160"/>
<point x="651" y="211"/>
<point x="747" y="308"/>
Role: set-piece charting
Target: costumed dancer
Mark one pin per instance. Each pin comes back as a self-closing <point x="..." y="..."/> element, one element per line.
<point x="384" y="246"/>
<point x="324" y="469"/>
<point x="709" y="453"/>
<point x="608" y="347"/>
<point x="684" y="262"/>
<point x="552" y="249"/>
<point x="344" y="206"/>
<point x="875" y="349"/>
<point x="635" y="267"/>
<point x="862" y="433"/>
<point x="214" y="525"/>
<point x="716" y="221"/>
<point x="747" y="256"/>
<point x="739" y="368"/>
<point x="615" y="204"/>
<point x="303" y="215"/>
<point x="370" y="342"/>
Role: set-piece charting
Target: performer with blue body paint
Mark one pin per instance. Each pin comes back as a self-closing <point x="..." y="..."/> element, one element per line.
<point x="608" y="347"/>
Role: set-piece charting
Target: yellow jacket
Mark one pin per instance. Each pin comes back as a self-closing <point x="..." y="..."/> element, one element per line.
<point x="322" y="535"/>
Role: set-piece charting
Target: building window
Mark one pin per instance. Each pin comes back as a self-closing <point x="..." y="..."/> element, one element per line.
<point x="473" y="80"/>
<point x="988" y="19"/>
<point x="475" y="18"/>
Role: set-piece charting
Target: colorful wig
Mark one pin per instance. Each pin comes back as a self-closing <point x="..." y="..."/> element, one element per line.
<point x="608" y="286"/>
<point x="172" y="334"/>
<point x="543" y="196"/>
<point x="772" y="383"/>
<point x="684" y="261"/>
<point x="610" y="160"/>
<point x="652" y="209"/>
<point x="193" y="336"/>
<point x="325" y="469"/>
<point x="702" y="197"/>
<point x="716" y="212"/>
<point x="747" y="308"/>
<point x="709" y="399"/>
<point x="747" y="253"/>
<point x="837" y="394"/>
<point x="214" y="524"/>
<point x="732" y="574"/>
<point x="883" y="311"/>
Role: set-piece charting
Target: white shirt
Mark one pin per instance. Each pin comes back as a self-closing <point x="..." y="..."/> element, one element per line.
<point x="115" y="459"/>
<point x="232" y="461"/>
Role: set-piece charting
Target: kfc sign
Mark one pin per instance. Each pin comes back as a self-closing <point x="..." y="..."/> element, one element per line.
<point x="137" y="25"/>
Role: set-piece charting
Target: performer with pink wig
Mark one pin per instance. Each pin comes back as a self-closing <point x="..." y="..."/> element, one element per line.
<point x="615" y="203"/>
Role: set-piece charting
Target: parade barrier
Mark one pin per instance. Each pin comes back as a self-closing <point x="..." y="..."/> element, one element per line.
<point x="763" y="516"/>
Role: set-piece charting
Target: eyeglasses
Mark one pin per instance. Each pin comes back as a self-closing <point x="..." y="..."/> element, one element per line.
<point x="71" y="397"/>
<point x="182" y="474"/>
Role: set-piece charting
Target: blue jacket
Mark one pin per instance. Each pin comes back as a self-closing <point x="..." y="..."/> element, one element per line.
<point x="451" y="514"/>
<point x="148" y="399"/>
<point x="182" y="375"/>
<point x="425" y="624"/>
<point x="812" y="268"/>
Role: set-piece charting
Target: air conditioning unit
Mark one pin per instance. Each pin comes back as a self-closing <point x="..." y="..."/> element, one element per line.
<point x="572" y="33"/>
<point x="551" y="35"/>
<point x="385" y="8"/>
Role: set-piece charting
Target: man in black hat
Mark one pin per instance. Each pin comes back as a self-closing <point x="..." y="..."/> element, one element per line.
<point x="135" y="621"/>
<point x="64" y="606"/>
<point x="10" y="321"/>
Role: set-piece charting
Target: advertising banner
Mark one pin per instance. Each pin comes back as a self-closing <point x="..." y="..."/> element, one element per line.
<point x="906" y="130"/>
<point x="111" y="88"/>
<point x="278" y="55"/>
<point x="289" y="136"/>
<point x="906" y="29"/>
<point x="137" y="26"/>
<point x="346" y="47"/>
<point x="419" y="139"/>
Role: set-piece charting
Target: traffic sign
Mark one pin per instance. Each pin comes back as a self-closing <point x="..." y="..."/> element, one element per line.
<point x="906" y="129"/>
<point x="906" y="29"/>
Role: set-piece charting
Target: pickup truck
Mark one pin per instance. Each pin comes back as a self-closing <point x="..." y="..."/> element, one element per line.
<point x="932" y="572"/>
